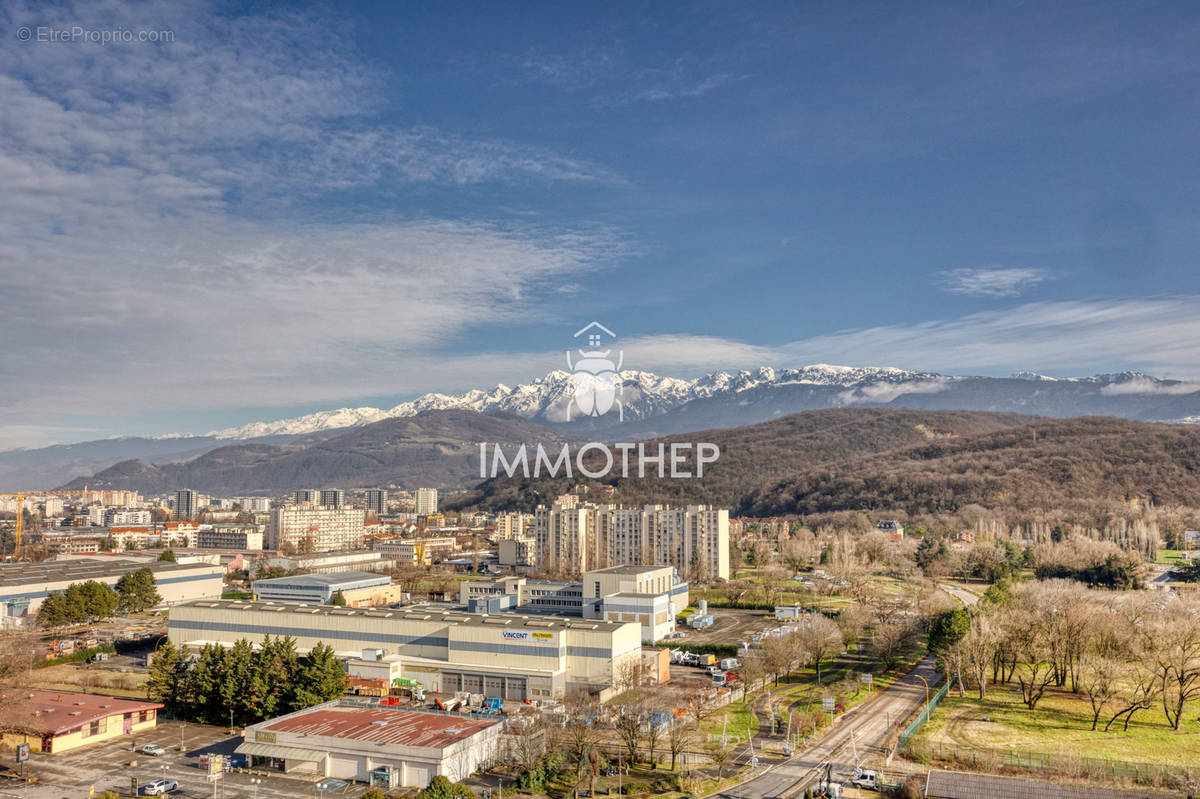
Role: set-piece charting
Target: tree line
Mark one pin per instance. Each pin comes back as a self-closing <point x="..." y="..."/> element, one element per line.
<point x="1127" y="653"/>
<point x="83" y="603"/>
<point x="251" y="683"/>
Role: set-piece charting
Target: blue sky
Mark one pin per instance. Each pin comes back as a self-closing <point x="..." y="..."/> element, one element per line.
<point x="295" y="207"/>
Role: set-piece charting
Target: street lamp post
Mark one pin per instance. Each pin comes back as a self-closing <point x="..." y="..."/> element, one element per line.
<point x="254" y="783"/>
<point x="922" y="679"/>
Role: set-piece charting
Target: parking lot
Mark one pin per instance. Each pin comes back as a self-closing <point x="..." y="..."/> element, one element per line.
<point x="730" y="626"/>
<point x="107" y="766"/>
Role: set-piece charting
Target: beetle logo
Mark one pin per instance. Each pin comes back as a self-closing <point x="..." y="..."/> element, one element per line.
<point x="595" y="377"/>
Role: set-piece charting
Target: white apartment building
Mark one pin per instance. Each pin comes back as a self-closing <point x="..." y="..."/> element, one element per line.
<point x="120" y="517"/>
<point x="422" y="551"/>
<point x="518" y="551"/>
<point x="695" y="539"/>
<point x="427" y="501"/>
<point x="254" y="504"/>
<point x="52" y="506"/>
<point x="230" y="536"/>
<point x="510" y="525"/>
<point x="311" y="529"/>
<point x="333" y="498"/>
<point x="565" y="538"/>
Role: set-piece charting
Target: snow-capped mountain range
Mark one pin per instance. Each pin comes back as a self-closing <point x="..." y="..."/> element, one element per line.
<point x="646" y="395"/>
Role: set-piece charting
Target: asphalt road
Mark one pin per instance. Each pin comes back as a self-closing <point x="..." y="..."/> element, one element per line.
<point x="862" y="732"/>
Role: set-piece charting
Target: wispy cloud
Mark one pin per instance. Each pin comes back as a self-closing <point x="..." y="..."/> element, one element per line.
<point x="150" y="250"/>
<point x="991" y="281"/>
<point x="1144" y="385"/>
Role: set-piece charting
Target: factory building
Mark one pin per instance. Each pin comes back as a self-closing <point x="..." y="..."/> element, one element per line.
<point x="357" y="588"/>
<point x="652" y="596"/>
<point x="22" y="588"/>
<point x="386" y="747"/>
<point x="507" y="655"/>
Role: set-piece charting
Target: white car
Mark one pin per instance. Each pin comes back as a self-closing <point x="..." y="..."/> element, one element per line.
<point x="160" y="787"/>
<point x="154" y="750"/>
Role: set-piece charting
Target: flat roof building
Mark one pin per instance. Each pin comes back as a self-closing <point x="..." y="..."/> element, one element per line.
<point x="315" y="588"/>
<point x="507" y="655"/>
<point x="22" y="588"/>
<point x="383" y="746"/>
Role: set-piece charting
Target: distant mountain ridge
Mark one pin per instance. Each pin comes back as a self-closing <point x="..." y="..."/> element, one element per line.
<point x="656" y="405"/>
<point x="647" y="395"/>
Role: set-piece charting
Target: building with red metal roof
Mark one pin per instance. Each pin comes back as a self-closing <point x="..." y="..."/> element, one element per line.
<point x="390" y="746"/>
<point x="57" y="721"/>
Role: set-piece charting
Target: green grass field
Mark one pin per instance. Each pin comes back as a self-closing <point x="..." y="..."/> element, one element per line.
<point x="1061" y="725"/>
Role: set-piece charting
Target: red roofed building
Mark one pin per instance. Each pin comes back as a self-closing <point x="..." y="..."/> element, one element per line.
<point x="387" y="746"/>
<point x="57" y="721"/>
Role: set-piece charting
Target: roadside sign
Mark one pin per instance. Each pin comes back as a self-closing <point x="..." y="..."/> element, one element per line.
<point x="867" y="678"/>
<point x="22" y="752"/>
<point x="827" y="704"/>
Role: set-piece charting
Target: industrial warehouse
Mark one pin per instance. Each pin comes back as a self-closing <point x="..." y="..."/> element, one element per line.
<point x="22" y="588"/>
<point x="508" y="655"/>
<point x="386" y="747"/>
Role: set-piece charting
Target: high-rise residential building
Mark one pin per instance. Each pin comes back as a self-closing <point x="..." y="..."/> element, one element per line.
<point x="313" y="529"/>
<point x="256" y="504"/>
<point x="695" y="539"/>
<point x="306" y="496"/>
<point x="332" y="498"/>
<point x="121" y="517"/>
<point x="427" y="501"/>
<point x="186" y="505"/>
<point x="376" y="501"/>
<point x="510" y="525"/>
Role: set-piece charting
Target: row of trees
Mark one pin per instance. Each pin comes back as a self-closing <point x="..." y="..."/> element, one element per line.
<point x="244" y="683"/>
<point x="83" y="603"/>
<point x="1126" y="653"/>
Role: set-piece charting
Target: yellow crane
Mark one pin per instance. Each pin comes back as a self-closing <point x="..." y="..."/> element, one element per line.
<point x="20" y="522"/>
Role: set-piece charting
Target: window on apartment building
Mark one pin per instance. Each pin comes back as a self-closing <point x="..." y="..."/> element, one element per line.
<point x="95" y="728"/>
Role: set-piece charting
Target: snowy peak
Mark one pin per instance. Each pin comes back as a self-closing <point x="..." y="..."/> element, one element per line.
<point x="646" y="395"/>
<point x="548" y="398"/>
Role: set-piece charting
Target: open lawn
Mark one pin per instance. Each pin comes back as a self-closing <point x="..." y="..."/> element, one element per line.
<point x="1061" y="725"/>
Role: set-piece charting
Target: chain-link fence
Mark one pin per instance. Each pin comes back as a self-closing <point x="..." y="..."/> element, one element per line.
<point x="923" y="716"/>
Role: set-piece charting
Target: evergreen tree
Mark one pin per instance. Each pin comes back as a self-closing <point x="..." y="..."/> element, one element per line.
<point x="321" y="677"/>
<point x="167" y="556"/>
<point x="138" y="591"/>
<point x="169" y="677"/>
<point x="338" y="599"/>
<point x="53" y="610"/>
<point x="235" y="684"/>
<point x="206" y="680"/>
<point x="948" y="629"/>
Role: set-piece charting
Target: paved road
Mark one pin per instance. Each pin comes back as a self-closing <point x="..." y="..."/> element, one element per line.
<point x="869" y="723"/>
<point x="961" y="594"/>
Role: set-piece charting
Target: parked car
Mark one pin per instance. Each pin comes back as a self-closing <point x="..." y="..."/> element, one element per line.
<point x="154" y="750"/>
<point x="160" y="787"/>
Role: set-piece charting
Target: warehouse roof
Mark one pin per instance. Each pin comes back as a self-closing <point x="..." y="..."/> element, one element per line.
<point x="380" y="725"/>
<point x="965" y="785"/>
<point x="627" y="570"/>
<point x="48" y="712"/>
<point x="82" y="570"/>
<point x="330" y="579"/>
<point x="417" y="613"/>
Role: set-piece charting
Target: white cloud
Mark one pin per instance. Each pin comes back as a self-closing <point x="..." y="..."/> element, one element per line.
<point x="991" y="282"/>
<point x="886" y="392"/>
<point x="152" y="255"/>
<point x="1144" y="385"/>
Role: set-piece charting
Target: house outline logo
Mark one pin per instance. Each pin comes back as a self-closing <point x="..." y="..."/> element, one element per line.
<point x="596" y="385"/>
